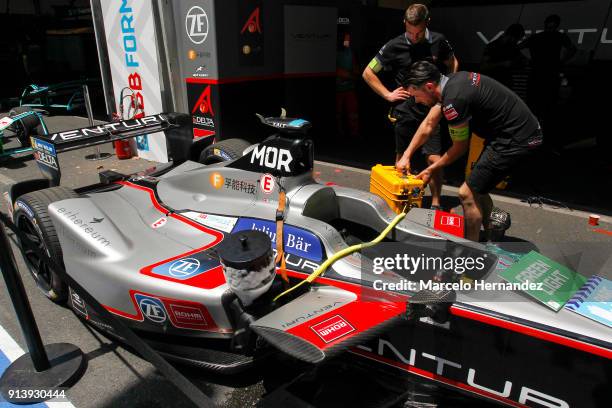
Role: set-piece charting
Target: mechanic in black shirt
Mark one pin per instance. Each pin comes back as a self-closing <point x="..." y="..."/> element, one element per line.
<point x="474" y="102"/>
<point x="503" y="55"/>
<point x="396" y="56"/>
<point x="549" y="50"/>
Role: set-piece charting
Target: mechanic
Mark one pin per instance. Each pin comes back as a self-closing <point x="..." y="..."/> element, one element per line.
<point x="471" y="101"/>
<point x="396" y="56"/>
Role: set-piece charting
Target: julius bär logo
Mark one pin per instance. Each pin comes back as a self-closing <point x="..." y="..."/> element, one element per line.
<point x="196" y="24"/>
<point x="332" y="328"/>
<point x="217" y="180"/>
<point x="252" y="24"/>
<point x="204" y="104"/>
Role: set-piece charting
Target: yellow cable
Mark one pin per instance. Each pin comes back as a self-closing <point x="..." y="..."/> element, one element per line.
<point x="346" y="251"/>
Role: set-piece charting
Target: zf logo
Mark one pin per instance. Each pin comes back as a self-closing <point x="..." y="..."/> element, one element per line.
<point x="272" y="158"/>
<point x="152" y="308"/>
<point x="196" y="23"/>
<point x="184" y="268"/>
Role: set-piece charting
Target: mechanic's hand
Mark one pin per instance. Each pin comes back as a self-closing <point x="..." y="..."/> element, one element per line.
<point x="403" y="165"/>
<point x="425" y="175"/>
<point x="400" y="94"/>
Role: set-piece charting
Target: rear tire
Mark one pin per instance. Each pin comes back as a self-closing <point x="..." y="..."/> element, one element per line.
<point x="223" y="151"/>
<point x="40" y="242"/>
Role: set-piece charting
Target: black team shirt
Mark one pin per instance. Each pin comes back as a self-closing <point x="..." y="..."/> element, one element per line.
<point x="397" y="55"/>
<point x="495" y="112"/>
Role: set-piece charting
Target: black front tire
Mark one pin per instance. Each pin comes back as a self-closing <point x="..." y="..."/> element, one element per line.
<point x="38" y="239"/>
<point x="224" y="150"/>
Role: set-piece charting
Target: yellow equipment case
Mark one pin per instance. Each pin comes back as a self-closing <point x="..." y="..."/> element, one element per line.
<point x="396" y="188"/>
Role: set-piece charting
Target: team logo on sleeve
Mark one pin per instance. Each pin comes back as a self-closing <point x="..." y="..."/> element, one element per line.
<point x="449" y="112"/>
<point x="475" y="77"/>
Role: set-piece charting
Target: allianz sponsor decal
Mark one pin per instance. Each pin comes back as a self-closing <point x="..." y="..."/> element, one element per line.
<point x="460" y="372"/>
<point x="186" y="268"/>
<point x="297" y="241"/>
<point x="225" y="224"/>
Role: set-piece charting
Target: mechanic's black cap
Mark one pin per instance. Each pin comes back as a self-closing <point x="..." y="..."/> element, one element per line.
<point x="250" y="250"/>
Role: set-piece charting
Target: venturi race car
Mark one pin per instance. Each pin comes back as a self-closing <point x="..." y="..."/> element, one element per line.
<point x="150" y="249"/>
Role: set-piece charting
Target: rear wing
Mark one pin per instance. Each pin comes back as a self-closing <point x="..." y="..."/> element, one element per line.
<point x="46" y="147"/>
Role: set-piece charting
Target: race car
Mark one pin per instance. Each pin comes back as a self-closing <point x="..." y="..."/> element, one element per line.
<point x="18" y="124"/>
<point x="171" y="252"/>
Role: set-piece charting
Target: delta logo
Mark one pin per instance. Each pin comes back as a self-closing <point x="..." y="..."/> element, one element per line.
<point x="332" y="328"/>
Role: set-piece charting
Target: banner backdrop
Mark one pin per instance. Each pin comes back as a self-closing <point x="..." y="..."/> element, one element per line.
<point x="134" y="64"/>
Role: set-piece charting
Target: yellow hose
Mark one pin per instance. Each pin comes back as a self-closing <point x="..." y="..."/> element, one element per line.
<point x="346" y="251"/>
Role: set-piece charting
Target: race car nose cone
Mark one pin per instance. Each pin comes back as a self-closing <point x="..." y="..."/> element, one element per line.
<point x="248" y="264"/>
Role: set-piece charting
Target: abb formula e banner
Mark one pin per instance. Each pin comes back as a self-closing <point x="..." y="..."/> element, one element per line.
<point x="134" y="65"/>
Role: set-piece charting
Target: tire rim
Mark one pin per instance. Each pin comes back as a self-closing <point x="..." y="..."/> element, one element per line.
<point x="32" y="244"/>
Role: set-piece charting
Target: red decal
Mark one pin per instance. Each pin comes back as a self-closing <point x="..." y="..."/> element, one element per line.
<point x="252" y="24"/>
<point x="188" y="315"/>
<point x="204" y="104"/>
<point x="267" y="183"/>
<point x="332" y="328"/>
<point x="449" y="223"/>
<point x="450" y="113"/>
<point x="198" y="133"/>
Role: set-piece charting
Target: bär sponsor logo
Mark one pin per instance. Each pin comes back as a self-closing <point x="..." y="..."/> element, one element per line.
<point x="332" y="328"/>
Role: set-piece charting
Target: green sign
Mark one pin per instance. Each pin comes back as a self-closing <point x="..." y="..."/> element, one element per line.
<point x="556" y="283"/>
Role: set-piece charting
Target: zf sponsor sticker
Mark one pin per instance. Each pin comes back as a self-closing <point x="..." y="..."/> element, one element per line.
<point x="152" y="308"/>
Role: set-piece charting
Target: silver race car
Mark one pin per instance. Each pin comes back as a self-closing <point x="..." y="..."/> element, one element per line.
<point x="162" y="251"/>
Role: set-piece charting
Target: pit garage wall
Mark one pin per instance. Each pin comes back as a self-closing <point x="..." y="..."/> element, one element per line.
<point x="258" y="56"/>
<point x="588" y="23"/>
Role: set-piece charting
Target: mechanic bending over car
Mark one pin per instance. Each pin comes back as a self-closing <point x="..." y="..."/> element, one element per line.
<point x="471" y="101"/>
<point x="396" y="56"/>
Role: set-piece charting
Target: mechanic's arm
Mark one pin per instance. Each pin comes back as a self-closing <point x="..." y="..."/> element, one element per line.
<point x="370" y="76"/>
<point x="460" y="134"/>
<point x="423" y="133"/>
